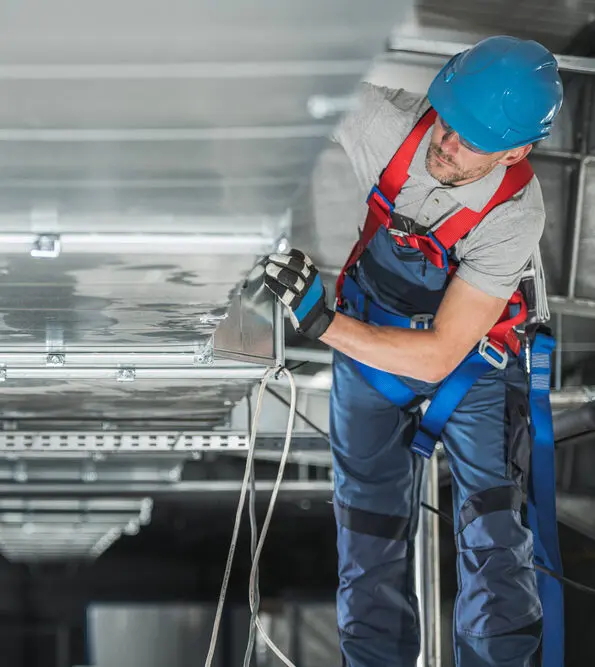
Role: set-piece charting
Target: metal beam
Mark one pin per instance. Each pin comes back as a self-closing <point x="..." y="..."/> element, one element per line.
<point x="143" y="507"/>
<point x="77" y="135"/>
<point x="190" y="70"/>
<point x="572" y="397"/>
<point x="215" y="372"/>
<point x="443" y="50"/>
<point x="199" y="354"/>
<point x="578" y="512"/>
<point x="555" y="155"/>
<point x="279" y="349"/>
<point x="427" y="569"/>
<point x="125" y="183"/>
<point x="202" y="243"/>
<point x="583" y="141"/>
<point x="319" y="356"/>
<point x="92" y="519"/>
<point x="64" y="443"/>
<point x="575" y="307"/>
<point x="207" y="487"/>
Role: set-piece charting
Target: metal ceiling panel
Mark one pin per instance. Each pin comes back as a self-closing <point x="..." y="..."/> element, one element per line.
<point x="107" y="176"/>
<point x="140" y="200"/>
<point x="187" y="30"/>
<point x="213" y="95"/>
<point x="554" y="22"/>
<point x="170" y="95"/>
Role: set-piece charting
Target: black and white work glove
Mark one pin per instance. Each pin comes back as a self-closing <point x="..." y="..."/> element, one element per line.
<point x="296" y="282"/>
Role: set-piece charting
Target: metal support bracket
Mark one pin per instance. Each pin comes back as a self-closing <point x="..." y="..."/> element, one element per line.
<point x="46" y="246"/>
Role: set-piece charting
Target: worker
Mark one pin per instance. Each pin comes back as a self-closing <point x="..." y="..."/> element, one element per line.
<point x="430" y="314"/>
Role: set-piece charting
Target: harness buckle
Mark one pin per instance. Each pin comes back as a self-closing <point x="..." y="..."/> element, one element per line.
<point x="497" y="358"/>
<point x="393" y="231"/>
<point x="421" y="321"/>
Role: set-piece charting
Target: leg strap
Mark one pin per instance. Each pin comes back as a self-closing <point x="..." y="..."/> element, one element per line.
<point x="446" y="400"/>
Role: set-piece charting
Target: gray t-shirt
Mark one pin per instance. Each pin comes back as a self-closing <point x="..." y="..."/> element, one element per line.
<point x="494" y="254"/>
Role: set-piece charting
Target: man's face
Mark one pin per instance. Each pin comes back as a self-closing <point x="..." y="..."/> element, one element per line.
<point x="452" y="162"/>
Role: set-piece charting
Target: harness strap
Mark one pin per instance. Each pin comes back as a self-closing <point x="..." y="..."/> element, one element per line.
<point x="515" y="179"/>
<point x="450" y="393"/>
<point x="375" y="314"/>
<point x="502" y="333"/>
<point x="382" y="197"/>
<point x="390" y="386"/>
<point x="393" y="178"/>
<point x="446" y="400"/>
<point x="542" y="501"/>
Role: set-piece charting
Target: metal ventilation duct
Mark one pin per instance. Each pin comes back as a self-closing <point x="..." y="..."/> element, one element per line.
<point x="149" y="156"/>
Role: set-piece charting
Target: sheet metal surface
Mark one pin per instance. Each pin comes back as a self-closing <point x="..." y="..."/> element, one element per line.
<point x="144" y="119"/>
<point x="554" y="22"/>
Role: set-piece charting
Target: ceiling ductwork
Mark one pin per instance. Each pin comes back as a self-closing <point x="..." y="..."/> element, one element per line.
<point x="146" y="166"/>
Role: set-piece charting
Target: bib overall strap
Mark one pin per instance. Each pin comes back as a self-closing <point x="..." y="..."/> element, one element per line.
<point x="382" y="197"/>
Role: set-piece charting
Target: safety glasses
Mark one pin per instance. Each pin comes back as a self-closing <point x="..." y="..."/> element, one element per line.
<point x="449" y="130"/>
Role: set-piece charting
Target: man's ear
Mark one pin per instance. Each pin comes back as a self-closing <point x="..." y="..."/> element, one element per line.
<point x="515" y="155"/>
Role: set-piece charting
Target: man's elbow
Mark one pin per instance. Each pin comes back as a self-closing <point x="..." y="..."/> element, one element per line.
<point x="441" y="366"/>
<point x="437" y="373"/>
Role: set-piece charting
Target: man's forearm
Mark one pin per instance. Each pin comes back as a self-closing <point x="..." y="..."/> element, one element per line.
<point x="413" y="353"/>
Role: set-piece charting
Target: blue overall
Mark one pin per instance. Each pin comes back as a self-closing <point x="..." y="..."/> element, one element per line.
<point x="498" y="612"/>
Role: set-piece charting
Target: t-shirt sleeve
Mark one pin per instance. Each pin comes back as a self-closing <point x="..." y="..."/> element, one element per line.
<point x="353" y="124"/>
<point x="357" y="132"/>
<point x="497" y="251"/>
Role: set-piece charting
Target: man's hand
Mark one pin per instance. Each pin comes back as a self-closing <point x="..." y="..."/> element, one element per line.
<point x="296" y="282"/>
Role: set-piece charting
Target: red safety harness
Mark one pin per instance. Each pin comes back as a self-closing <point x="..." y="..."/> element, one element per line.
<point x="435" y="246"/>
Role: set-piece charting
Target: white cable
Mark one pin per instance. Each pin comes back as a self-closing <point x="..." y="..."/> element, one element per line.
<point x="236" y="528"/>
<point x="265" y="527"/>
<point x="269" y="516"/>
<point x="253" y="544"/>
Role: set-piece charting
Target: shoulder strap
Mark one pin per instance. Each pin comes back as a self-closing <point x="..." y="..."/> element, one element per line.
<point x="395" y="174"/>
<point x="381" y="198"/>
<point x="462" y="222"/>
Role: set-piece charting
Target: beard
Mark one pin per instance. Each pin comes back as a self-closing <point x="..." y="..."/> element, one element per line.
<point x="450" y="173"/>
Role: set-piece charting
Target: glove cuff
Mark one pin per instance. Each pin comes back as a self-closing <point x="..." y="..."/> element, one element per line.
<point x="319" y="323"/>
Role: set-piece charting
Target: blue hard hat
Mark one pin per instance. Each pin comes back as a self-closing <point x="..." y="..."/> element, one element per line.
<point x="502" y="93"/>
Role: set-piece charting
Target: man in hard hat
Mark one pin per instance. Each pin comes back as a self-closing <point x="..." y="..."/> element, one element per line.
<point x="429" y="309"/>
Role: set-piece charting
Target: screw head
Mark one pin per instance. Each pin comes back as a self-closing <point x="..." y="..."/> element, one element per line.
<point x="55" y="359"/>
<point x="126" y="375"/>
